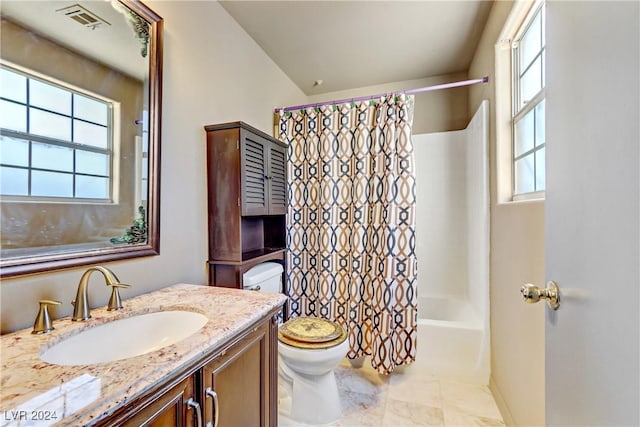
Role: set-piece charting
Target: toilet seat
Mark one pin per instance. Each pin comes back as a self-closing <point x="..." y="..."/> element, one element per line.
<point x="311" y="333"/>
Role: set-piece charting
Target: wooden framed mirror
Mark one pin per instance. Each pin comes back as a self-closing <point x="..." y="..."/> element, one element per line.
<point x="80" y="122"/>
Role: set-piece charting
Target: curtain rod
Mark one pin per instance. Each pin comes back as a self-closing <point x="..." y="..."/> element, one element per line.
<point x="369" y="97"/>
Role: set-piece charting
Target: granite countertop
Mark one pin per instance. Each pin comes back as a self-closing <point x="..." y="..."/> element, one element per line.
<point x="36" y="393"/>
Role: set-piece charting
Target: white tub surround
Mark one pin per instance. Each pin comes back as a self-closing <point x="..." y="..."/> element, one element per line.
<point x="453" y="342"/>
<point x="452" y="235"/>
<point x="82" y="395"/>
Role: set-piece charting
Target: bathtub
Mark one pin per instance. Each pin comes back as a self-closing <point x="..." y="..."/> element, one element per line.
<point x="452" y="340"/>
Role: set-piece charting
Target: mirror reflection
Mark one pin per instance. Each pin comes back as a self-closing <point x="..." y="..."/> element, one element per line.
<point x="75" y="132"/>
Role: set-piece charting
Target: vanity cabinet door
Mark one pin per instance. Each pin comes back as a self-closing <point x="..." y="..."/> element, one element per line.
<point x="174" y="408"/>
<point x="241" y="380"/>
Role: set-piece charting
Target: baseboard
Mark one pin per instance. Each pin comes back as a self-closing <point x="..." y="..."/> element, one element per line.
<point x="502" y="405"/>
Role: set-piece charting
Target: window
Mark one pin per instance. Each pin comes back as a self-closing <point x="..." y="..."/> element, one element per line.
<point x="55" y="142"/>
<point x="528" y="106"/>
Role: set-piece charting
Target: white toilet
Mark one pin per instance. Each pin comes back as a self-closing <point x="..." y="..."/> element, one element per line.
<point x="310" y="348"/>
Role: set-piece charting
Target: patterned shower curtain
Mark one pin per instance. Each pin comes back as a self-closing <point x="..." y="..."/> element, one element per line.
<point x="351" y="224"/>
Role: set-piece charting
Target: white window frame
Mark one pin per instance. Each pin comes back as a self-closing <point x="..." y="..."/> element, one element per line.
<point x="520" y="110"/>
<point x="110" y="151"/>
<point x="506" y="93"/>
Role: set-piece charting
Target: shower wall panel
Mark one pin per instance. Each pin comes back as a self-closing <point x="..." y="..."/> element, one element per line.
<point x="441" y="213"/>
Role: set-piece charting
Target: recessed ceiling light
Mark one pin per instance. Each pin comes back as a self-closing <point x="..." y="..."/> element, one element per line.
<point x="317" y="83"/>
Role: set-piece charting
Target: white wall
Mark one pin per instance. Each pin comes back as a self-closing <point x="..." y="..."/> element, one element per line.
<point x="213" y="72"/>
<point x="441" y="213"/>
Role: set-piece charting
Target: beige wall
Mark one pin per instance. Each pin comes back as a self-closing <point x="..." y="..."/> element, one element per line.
<point x="213" y="72"/>
<point x="517" y="257"/>
<point x="437" y="111"/>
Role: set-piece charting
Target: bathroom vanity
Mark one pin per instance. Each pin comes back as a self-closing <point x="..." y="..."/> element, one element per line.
<point x="224" y="373"/>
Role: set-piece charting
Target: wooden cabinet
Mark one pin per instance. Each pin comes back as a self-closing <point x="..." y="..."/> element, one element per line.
<point x="176" y="407"/>
<point x="262" y="174"/>
<point x="236" y="381"/>
<point x="247" y="200"/>
<point x="235" y="386"/>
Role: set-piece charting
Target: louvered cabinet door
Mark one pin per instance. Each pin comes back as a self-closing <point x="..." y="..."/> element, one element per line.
<point x="254" y="150"/>
<point x="277" y="180"/>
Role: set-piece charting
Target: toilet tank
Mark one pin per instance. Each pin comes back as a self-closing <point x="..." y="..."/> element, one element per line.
<point x="265" y="277"/>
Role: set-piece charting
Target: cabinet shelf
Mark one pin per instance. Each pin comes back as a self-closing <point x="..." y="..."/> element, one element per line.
<point x="255" y="256"/>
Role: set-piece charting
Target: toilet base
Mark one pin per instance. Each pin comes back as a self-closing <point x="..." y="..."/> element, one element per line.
<point x="311" y="399"/>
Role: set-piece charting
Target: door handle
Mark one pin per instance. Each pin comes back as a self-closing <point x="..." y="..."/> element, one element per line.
<point x="214" y="402"/>
<point x="192" y="404"/>
<point x="533" y="294"/>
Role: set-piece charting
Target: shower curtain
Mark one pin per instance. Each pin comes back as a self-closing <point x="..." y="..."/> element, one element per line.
<point x="351" y="224"/>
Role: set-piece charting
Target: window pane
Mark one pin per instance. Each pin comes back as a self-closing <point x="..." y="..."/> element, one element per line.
<point x="524" y="134"/>
<point x="531" y="82"/>
<point x="145" y="167"/>
<point x="92" y="187"/>
<point x="48" y="168"/>
<point x="48" y="124"/>
<point x="14" y="151"/>
<point x="14" y="182"/>
<point x="544" y="64"/>
<point x="540" y="170"/>
<point x="92" y="163"/>
<point x="51" y="184"/>
<point x="544" y="23"/>
<point x="90" y="109"/>
<point x="13" y="116"/>
<point x="47" y="156"/>
<point x="13" y="85"/>
<point x="86" y="133"/>
<point x="524" y="175"/>
<point x="49" y="97"/>
<point x="540" y="139"/>
<point x="144" y="189"/>
<point x="530" y="44"/>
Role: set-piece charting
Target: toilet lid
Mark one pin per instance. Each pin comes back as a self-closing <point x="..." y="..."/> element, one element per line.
<point x="311" y="332"/>
<point x="310" y="329"/>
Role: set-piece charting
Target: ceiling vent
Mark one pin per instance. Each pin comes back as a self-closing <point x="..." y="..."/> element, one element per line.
<point x="84" y="17"/>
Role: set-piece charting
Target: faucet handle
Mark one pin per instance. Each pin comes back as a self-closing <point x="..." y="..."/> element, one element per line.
<point x="43" y="323"/>
<point x="115" y="303"/>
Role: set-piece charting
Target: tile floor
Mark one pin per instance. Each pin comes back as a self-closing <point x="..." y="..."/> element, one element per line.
<point x="409" y="398"/>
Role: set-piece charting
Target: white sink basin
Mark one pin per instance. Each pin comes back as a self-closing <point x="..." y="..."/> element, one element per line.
<point x="124" y="338"/>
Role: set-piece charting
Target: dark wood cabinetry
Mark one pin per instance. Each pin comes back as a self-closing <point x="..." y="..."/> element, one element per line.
<point x="247" y="200"/>
<point x="234" y="386"/>
<point x="262" y="174"/>
<point x="239" y="385"/>
<point x="171" y="408"/>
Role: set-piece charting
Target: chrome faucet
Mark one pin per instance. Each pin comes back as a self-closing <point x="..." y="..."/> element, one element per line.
<point x="81" y="309"/>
